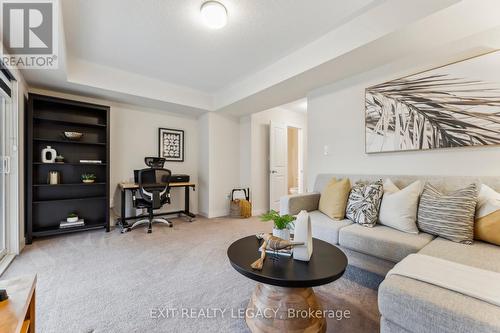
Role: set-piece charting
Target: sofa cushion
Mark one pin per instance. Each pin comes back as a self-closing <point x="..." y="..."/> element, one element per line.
<point x="333" y="199"/>
<point x="487" y="223"/>
<point x="398" y="209"/>
<point x="364" y="203"/>
<point x="382" y="242"/>
<point x="325" y="228"/>
<point x="405" y="301"/>
<point x="479" y="254"/>
<point x="421" y="307"/>
<point x="448" y="215"/>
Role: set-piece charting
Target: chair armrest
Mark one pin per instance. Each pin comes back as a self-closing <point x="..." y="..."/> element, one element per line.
<point x="293" y="204"/>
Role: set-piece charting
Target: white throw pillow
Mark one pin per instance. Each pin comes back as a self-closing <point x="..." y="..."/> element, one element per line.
<point x="399" y="207"/>
<point x="488" y="201"/>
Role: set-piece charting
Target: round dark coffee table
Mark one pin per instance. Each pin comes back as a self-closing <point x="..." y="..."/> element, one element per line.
<point x="284" y="292"/>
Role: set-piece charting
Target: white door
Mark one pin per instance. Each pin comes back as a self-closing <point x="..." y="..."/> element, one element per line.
<point x="4" y="169"/>
<point x="278" y="160"/>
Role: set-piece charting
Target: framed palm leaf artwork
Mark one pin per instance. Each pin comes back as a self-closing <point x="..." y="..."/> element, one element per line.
<point x="457" y="105"/>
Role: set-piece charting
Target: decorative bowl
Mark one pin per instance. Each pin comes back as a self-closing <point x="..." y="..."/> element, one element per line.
<point x="73" y="135"/>
<point x="88" y="181"/>
<point x="72" y="219"/>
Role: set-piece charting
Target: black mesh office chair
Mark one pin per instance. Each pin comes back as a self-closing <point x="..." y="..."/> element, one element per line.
<point x="153" y="193"/>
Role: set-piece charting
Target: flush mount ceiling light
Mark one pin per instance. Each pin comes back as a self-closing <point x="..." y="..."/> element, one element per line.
<point x="214" y="14"/>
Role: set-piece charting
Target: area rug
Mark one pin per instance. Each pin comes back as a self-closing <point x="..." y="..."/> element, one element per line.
<point x="173" y="280"/>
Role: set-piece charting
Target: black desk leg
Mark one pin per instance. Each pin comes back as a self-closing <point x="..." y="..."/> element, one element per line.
<point x="122" y="221"/>
<point x="186" y="202"/>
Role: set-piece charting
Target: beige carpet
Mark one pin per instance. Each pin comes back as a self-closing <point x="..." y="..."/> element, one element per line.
<point x="109" y="282"/>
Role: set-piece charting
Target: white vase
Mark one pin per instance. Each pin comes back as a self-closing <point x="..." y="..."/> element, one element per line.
<point x="303" y="234"/>
<point x="282" y="233"/>
<point x="49" y="155"/>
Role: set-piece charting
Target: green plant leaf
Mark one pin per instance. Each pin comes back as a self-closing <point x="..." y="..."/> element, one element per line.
<point x="280" y="222"/>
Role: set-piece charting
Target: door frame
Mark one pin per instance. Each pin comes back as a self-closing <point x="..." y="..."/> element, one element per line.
<point x="12" y="198"/>
<point x="301" y="158"/>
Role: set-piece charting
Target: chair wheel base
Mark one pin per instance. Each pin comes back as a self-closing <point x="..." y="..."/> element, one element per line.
<point x="150" y="231"/>
<point x="170" y="225"/>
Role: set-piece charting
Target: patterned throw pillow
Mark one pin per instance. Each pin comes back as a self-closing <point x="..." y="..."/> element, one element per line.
<point x="450" y="216"/>
<point x="364" y="203"/>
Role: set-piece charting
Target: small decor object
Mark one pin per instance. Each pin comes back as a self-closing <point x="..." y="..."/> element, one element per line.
<point x="457" y="105"/>
<point x="450" y="215"/>
<point x="88" y="178"/>
<point x="240" y="205"/>
<point x="59" y="159"/>
<point x="364" y="203"/>
<point x="72" y="218"/>
<point x="271" y="243"/>
<point x="54" y="178"/>
<point x="171" y="144"/>
<point x="77" y="223"/>
<point x="49" y="155"/>
<point x="73" y="136"/>
<point x="281" y="223"/>
<point x="303" y="234"/>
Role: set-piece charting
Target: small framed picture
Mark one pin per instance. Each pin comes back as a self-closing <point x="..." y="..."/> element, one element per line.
<point x="171" y="144"/>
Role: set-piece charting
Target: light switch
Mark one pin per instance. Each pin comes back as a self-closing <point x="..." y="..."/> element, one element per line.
<point x="325" y="150"/>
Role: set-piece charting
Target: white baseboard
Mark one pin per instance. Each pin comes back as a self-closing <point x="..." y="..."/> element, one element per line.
<point x="259" y="211"/>
<point x="5" y="262"/>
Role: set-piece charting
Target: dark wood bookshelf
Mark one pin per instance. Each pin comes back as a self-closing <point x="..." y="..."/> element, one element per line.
<point x="67" y="122"/>
<point x="70" y="142"/>
<point x="47" y="205"/>
<point x="66" y="163"/>
<point x="68" y="199"/>
<point x="41" y="232"/>
<point x="75" y="184"/>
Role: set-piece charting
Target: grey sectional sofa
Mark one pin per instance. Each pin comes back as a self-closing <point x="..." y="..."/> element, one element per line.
<point x="408" y="305"/>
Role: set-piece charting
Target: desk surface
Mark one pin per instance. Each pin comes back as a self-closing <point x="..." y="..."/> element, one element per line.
<point x="127" y="186"/>
<point x="13" y="311"/>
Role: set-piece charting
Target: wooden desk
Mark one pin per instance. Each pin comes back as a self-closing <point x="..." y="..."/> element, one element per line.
<point x="124" y="187"/>
<point x="17" y="314"/>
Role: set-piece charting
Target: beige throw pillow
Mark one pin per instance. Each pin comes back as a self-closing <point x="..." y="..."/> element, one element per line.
<point x="333" y="200"/>
<point x="487" y="223"/>
<point x="399" y="207"/>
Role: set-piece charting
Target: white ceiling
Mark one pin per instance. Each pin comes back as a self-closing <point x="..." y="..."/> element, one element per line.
<point x="156" y="53"/>
<point x="165" y="39"/>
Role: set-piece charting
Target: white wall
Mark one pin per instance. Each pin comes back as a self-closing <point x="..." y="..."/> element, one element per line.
<point x="258" y="159"/>
<point x="134" y="135"/>
<point x="336" y="119"/>
<point x="204" y="165"/>
<point x="219" y="162"/>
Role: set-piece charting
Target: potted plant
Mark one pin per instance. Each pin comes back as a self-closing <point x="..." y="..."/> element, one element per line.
<point x="59" y="159"/>
<point x="282" y="223"/>
<point x="72" y="217"/>
<point x="88" y="178"/>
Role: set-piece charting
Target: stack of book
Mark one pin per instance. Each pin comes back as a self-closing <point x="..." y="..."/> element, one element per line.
<point x="285" y="252"/>
<point x="91" y="161"/>
<point x="66" y="224"/>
